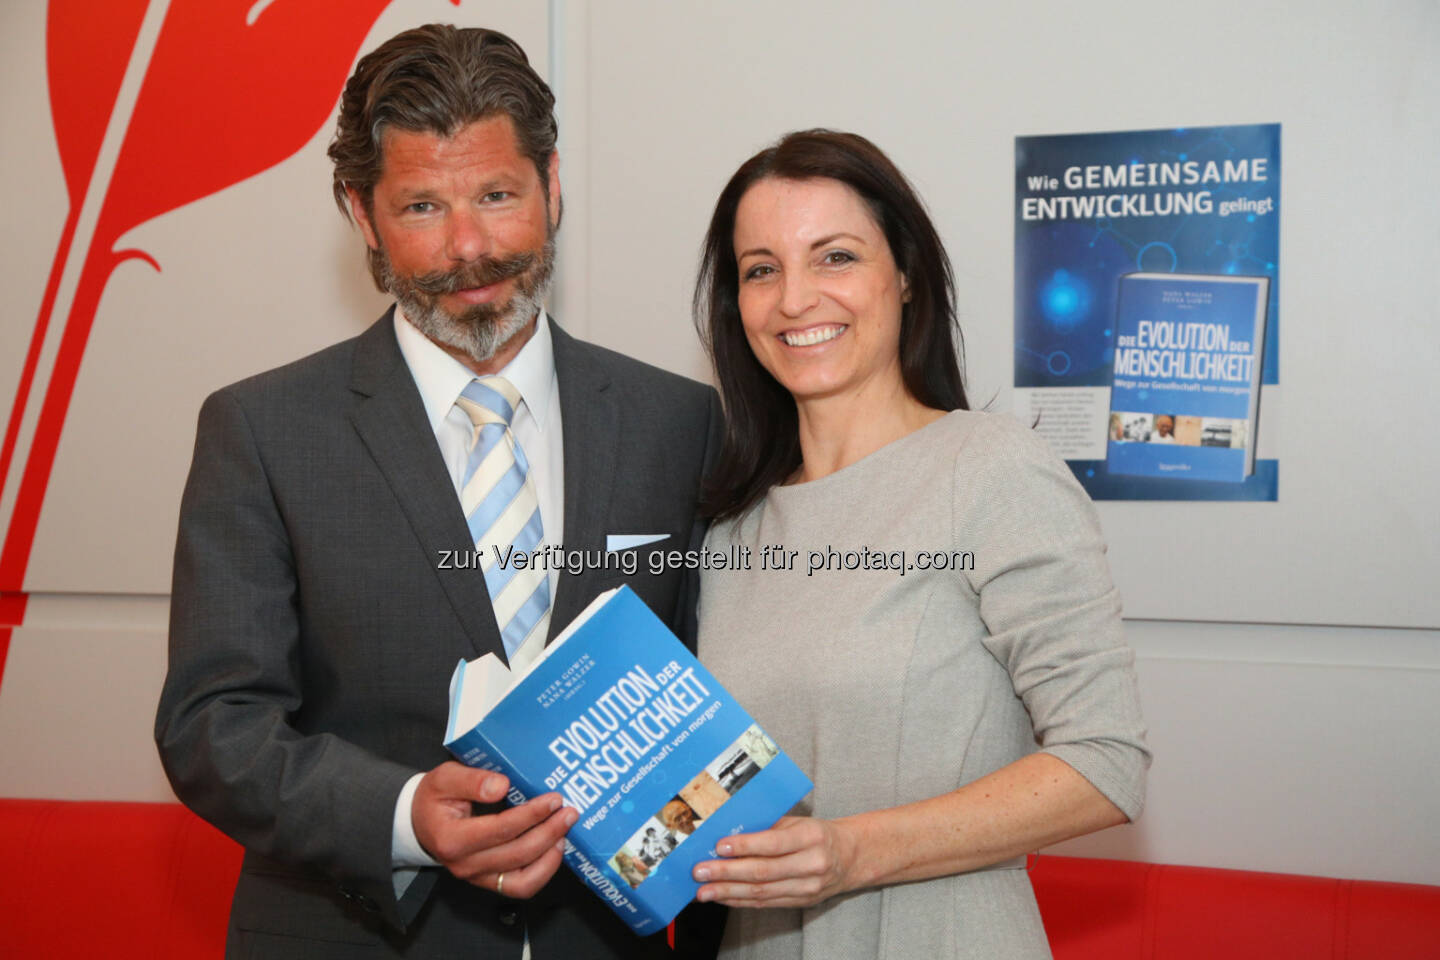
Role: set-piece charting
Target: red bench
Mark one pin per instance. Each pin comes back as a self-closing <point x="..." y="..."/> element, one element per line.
<point x="112" y="880"/>
<point x="1118" y="910"/>
<point x="144" y="880"/>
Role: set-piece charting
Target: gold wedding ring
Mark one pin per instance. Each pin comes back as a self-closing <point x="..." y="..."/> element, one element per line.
<point x="500" y="884"/>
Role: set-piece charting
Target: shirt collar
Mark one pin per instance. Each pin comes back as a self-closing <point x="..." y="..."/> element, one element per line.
<point x="440" y="377"/>
<point x="532" y="371"/>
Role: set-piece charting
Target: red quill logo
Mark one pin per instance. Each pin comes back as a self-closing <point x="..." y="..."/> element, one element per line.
<point x="230" y="88"/>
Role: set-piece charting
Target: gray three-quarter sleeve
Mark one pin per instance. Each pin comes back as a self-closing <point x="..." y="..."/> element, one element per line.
<point x="1051" y="610"/>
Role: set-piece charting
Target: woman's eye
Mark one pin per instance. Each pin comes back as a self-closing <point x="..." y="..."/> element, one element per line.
<point x="836" y="257"/>
<point x="759" y="271"/>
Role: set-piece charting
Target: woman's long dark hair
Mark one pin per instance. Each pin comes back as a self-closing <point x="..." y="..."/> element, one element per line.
<point x="762" y="440"/>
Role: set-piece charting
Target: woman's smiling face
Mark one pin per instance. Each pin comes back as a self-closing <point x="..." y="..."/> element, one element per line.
<point x="820" y="295"/>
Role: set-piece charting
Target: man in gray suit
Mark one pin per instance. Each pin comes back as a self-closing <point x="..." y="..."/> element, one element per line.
<point x="317" y="610"/>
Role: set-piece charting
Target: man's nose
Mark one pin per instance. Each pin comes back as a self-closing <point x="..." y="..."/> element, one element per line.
<point x="467" y="237"/>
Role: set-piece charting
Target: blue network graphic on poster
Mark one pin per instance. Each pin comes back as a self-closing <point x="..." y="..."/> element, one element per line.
<point x="1092" y="209"/>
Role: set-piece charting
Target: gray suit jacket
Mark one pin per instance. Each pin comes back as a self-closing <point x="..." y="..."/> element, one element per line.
<point x="312" y="635"/>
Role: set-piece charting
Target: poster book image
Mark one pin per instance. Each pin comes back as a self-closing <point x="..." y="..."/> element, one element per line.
<point x="1096" y="214"/>
<point x="1186" y="388"/>
<point x="635" y="734"/>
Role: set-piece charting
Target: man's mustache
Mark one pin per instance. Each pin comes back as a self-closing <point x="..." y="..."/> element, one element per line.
<point x="480" y="273"/>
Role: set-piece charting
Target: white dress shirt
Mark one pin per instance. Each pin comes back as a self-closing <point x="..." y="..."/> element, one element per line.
<point x="536" y="425"/>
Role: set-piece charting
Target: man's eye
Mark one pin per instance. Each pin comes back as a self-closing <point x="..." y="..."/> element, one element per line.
<point x="495" y="196"/>
<point x="423" y="206"/>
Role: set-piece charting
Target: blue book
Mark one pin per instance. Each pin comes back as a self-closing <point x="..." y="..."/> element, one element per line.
<point x="659" y="761"/>
<point x="1184" y="401"/>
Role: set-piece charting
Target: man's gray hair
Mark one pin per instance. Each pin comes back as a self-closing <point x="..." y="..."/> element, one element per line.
<point x="437" y="79"/>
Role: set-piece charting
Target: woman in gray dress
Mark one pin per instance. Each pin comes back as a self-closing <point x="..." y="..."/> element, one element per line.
<point x="928" y="626"/>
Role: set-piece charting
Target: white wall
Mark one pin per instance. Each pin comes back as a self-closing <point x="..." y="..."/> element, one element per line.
<point x="679" y="94"/>
<point x="1296" y="748"/>
<point x="1292" y="749"/>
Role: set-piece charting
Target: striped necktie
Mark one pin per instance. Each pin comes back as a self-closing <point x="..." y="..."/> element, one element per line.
<point x="498" y="497"/>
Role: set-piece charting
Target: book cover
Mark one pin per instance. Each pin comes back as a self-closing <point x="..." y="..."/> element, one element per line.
<point x="657" y="758"/>
<point x="1091" y="208"/>
<point x="1186" y="389"/>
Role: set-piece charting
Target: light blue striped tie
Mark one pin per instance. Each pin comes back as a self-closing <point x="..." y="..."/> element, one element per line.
<point x="498" y="497"/>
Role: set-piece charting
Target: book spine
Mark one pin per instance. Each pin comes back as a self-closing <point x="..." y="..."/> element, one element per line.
<point x="474" y="749"/>
<point x="591" y="869"/>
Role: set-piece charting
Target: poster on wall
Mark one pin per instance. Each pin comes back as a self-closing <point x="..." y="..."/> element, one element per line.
<point x="1146" y="307"/>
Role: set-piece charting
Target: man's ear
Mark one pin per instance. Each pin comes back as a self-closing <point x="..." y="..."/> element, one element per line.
<point x="362" y="218"/>
<point x="553" y="182"/>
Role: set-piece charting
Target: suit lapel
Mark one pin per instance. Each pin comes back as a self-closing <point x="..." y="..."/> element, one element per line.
<point x="589" y="408"/>
<point x="392" y="424"/>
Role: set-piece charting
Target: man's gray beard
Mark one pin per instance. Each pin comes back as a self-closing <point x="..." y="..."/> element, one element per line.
<point x="483" y="328"/>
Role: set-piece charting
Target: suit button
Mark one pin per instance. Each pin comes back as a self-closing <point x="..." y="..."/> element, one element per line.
<point x="360" y="900"/>
<point x="509" y="917"/>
